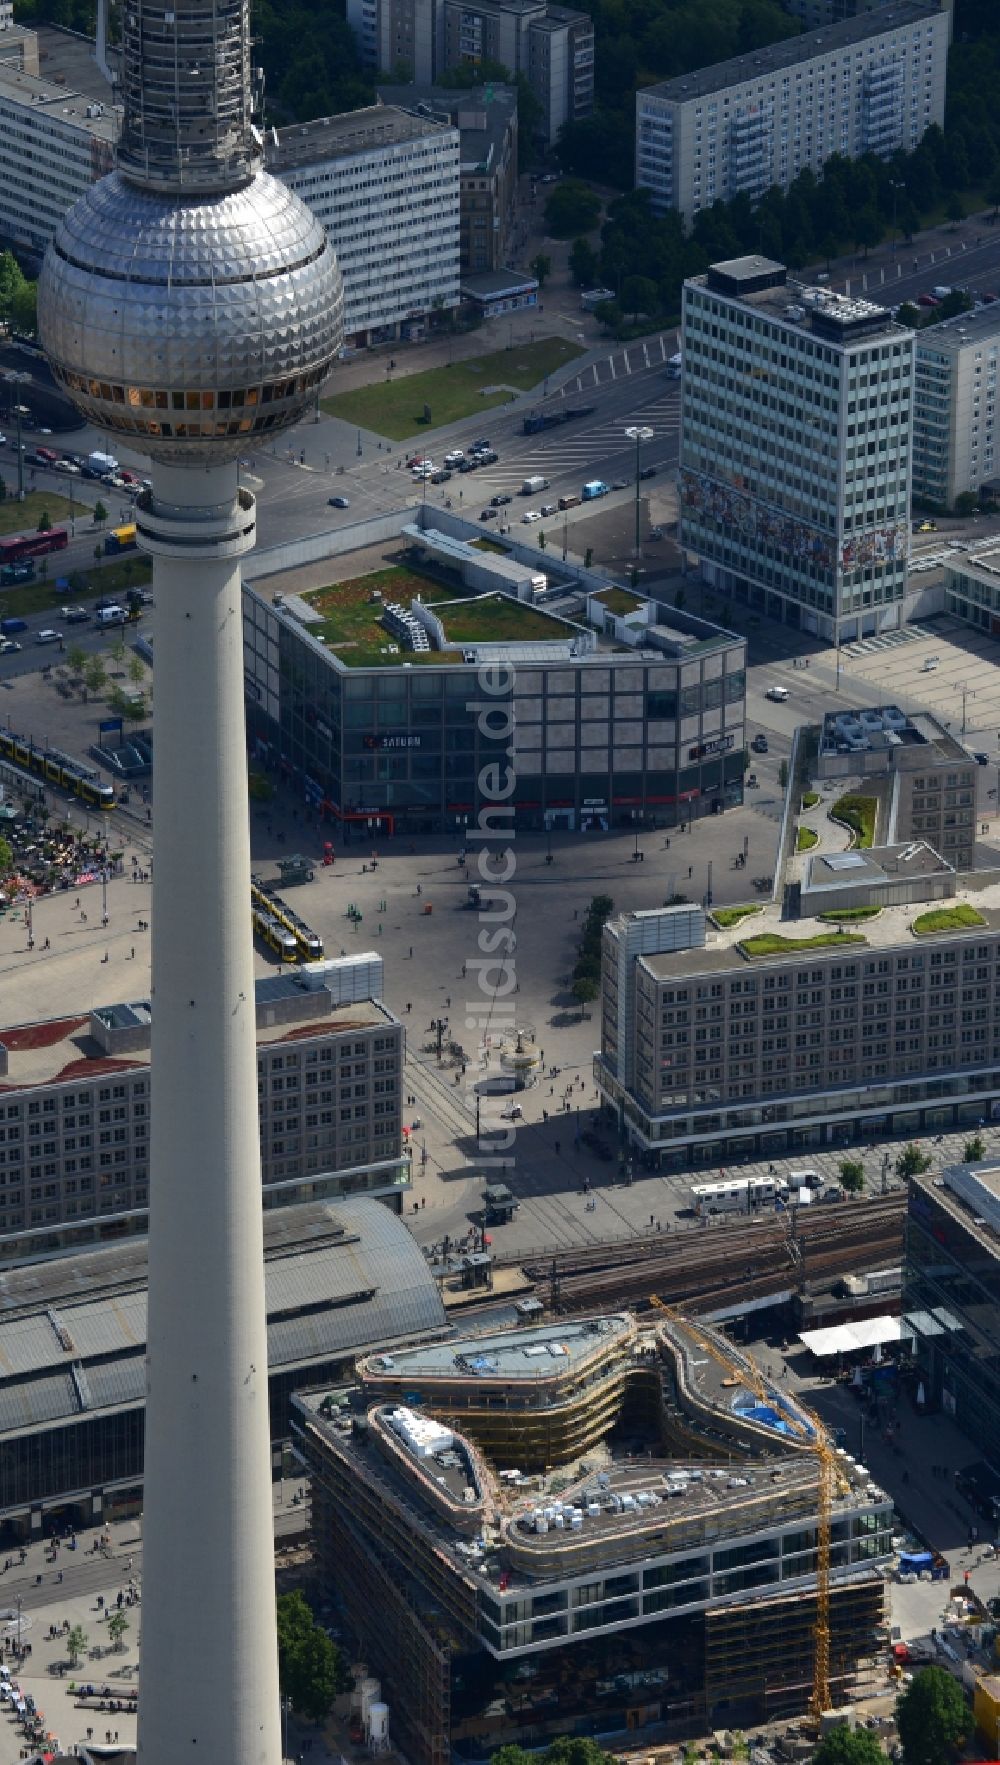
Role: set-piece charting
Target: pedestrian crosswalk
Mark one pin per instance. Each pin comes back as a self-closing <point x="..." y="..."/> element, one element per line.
<point x="557" y="453"/>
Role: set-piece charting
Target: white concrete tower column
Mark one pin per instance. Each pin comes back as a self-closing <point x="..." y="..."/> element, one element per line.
<point x="209" y="1687"/>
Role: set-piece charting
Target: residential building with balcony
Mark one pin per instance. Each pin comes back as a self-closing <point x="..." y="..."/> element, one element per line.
<point x="956" y="437"/>
<point x="872" y="83"/>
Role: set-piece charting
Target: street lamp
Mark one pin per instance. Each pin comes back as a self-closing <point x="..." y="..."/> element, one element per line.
<point x="16" y="377"/>
<point x="638" y="434"/>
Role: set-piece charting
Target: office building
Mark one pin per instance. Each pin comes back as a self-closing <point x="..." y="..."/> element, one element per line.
<point x="75" y="1138"/>
<point x="486" y="120"/>
<point x="624" y="709"/>
<point x="716" y="1043"/>
<point x="815" y="15"/>
<point x="919" y="777"/>
<point x="872" y="84"/>
<point x="796" y="408"/>
<point x="972" y="586"/>
<point x="54" y="143"/>
<point x="951" y="1287"/>
<point x="956" y="441"/>
<point x="663" y="1585"/>
<point x="385" y="185"/>
<point x="341" y="1280"/>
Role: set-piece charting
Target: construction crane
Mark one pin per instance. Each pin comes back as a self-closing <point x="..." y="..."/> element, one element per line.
<point x="808" y="1430"/>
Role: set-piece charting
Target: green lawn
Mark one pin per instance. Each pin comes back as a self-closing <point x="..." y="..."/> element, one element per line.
<point x="24" y="517"/>
<point x="810" y="799"/>
<point x="497" y="618"/>
<point x="859" y="814"/>
<point x="725" y="916"/>
<point x="773" y="944"/>
<point x="806" y="839"/>
<point x="395" y="408"/>
<point x="352" y="626"/>
<point x="620" y="601"/>
<point x="947" y="919"/>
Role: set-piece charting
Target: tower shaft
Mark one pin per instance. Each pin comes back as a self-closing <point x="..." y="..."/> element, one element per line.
<point x="187" y="93"/>
<point x="209" y="1658"/>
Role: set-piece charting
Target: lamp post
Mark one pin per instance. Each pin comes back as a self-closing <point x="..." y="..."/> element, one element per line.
<point x="15" y="378"/>
<point x="638" y="433"/>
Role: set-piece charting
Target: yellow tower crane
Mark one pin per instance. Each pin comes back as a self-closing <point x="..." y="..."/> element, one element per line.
<point x="817" y="1442"/>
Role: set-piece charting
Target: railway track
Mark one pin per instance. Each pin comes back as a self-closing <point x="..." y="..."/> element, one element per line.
<point x="727" y="1261"/>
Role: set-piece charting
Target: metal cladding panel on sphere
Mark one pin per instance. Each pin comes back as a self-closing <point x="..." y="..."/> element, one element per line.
<point x="190" y="326"/>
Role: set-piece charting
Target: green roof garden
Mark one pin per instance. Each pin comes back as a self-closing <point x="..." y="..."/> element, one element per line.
<point x="352" y="630"/>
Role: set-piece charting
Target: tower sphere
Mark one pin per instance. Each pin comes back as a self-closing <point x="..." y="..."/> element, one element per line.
<point x="190" y="326"/>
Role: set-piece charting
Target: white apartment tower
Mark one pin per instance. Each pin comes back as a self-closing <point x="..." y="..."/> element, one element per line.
<point x="870" y="84"/>
<point x="386" y="186"/>
<point x="54" y="143"/>
<point x="956" y="439"/>
<point x="795" y="448"/>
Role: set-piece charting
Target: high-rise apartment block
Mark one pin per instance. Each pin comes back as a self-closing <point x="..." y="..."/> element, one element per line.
<point x="716" y="1043"/>
<point x="795" y="447"/>
<point x="385" y="185"/>
<point x="956" y="437"/>
<point x="552" y="46"/>
<point x="872" y="84"/>
<point x="75" y="1129"/>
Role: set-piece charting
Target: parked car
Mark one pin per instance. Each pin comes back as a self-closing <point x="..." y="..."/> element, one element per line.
<point x="927" y="300"/>
<point x="531" y="515"/>
<point x="74" y="615"/>
<point x="759" y="744"/>
<point x="619" y="484"/>
<point x="502" y="497"/>
<point x="778" y="693"/>
<point x="488" y="515"/>
<point x="8" y="645"/>
<point x="550" y="508"/>
<point x="981" y="759"/>
<point x="339" y="502"/>
<point x="648" y="472"/>
<point x="925" y="527"/>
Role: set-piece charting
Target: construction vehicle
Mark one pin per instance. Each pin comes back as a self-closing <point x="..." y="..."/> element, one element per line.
<point x="809" y="1432"/>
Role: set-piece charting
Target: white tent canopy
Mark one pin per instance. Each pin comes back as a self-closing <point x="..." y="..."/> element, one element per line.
<point x="853" y="1338"/>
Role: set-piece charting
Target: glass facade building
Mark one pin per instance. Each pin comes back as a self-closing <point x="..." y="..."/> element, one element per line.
<point x="951" y="1296"/>
<point x="596" y="740"/>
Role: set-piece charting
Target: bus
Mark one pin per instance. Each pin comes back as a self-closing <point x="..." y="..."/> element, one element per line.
<point x="737" y="1195"/>
<point x="32" y="545"/>
<point x="59" y="769"/>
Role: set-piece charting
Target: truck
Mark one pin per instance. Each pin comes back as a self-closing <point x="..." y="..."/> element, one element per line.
<point x="532" y="485"/>
<point x="102" y="464"/>
<point x="121" y="539"/>
<point x="674" y="367"/>
<point x="111" y="615"/>
<point x="595" y="488"/>
<point x="8" y="627"/>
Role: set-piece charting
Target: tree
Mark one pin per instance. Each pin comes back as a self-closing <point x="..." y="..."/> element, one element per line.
<point x="6" y="857"/>
<point x="588" y="557"/>
<point x="117" y="1626"/>
<point x="309" y="1664"/>
<point x="573" y="208"/>
<point x="849" y="1746"/>
<point x="44" y="522"/>
<point x="541" y="266"/>
<point x="136" y="670"/>
<point x="640" y="295"/>
<point x="783" y="774"/>
<point x="955" y="208"/>
<point x="975" y="1149"/>
<point x="583" y="263"/>
<point x="76" y="658"/>
<point x="76" y="1643"/>
<point x="585" y="989"/>
<point x="911" y="1161"/>
<point x="95" y="674"/>
<point x="118" y="651"/>
<point x="100" y="516"/>
<point x="993" y="194"/>
<point x="852" y="1175"/>
<point x="932" y="1718"/>
<point x="541" y="540"/>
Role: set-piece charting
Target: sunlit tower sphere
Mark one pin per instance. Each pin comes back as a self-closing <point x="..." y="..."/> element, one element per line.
<point x="189" y="303"/>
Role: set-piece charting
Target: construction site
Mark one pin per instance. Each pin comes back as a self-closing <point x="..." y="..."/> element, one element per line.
<point x="615" y="1527"/>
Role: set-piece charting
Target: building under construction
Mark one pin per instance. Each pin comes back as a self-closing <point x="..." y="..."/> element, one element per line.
<point x="505" y="1588"/>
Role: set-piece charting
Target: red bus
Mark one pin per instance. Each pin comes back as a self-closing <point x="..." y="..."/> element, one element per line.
<point x="32" y="545"/>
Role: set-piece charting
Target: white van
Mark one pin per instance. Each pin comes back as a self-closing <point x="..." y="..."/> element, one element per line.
<point x="778" y="693"/>
<point x="807" y="1179"/>
<point x="49" y="637"/>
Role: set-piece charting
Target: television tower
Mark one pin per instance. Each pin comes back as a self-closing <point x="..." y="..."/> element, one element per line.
<point x="191" y="307"/>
